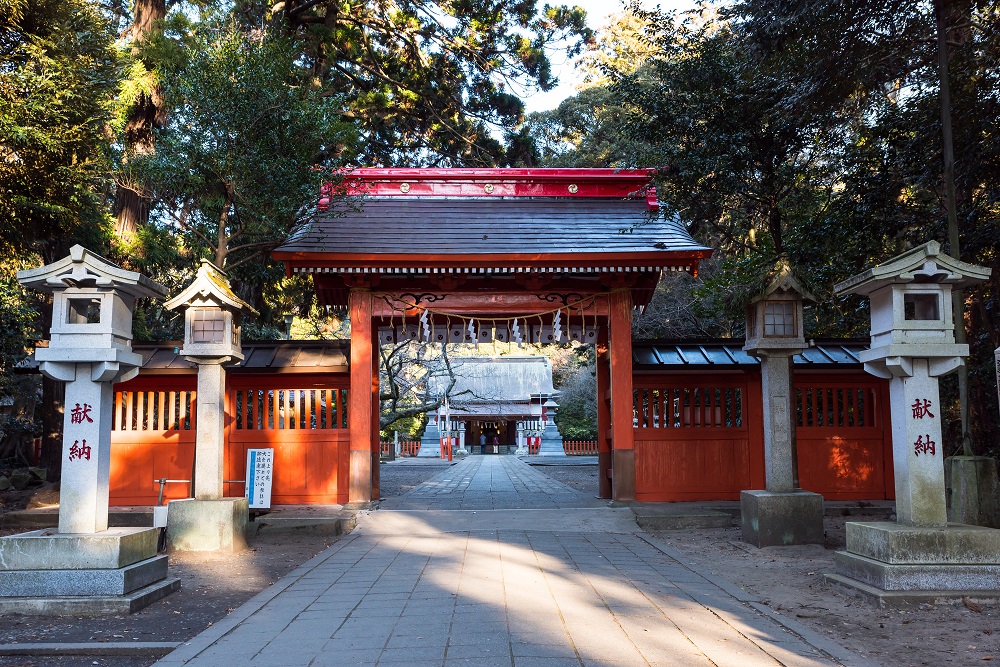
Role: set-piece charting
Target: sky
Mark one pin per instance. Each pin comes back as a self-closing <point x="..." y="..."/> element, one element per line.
<point x="598" y="12"/>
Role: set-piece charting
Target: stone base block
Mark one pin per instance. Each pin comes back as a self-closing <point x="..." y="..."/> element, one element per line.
<point x="207" y="525"/>
<point x="90" y="605"/>
<point x="893" y="599"/>
<point x="897" y="544"/>
<point x="975" y="491"/>
<point x="27" y="583"/>
<point x="925" y="577"/>
<point x="771" y="519"/>
<point x="49" y="550"/>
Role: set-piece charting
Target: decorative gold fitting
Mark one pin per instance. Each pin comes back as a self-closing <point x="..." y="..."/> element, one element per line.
<point x="573" y="188"/>
<point x="404" y="187"/>
<point x="488" y="188"/>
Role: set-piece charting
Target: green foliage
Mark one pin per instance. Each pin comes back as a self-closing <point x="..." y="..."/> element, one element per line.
<point x="233" y="169"/>
<point x="585" y="130"/>
<point x="427" y="81"/>
<point x="58" y="76"/>
<point x="573" y="375"/>
<point x="18" y="315"/>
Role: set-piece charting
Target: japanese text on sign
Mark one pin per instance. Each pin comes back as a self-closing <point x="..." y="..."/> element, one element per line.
<point x="922" y="408"/>
<point x="260" y="466"/>
<point x="80" y="414"/>
<point x="78" y="451"/>
<point x="924" y="445"/>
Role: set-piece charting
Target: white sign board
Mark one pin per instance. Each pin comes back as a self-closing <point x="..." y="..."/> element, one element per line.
<point x="260" y="466"/>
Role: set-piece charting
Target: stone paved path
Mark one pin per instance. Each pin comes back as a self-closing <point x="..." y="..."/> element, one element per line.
<point x="512" y="588"/>
<point x="491" y="482"/>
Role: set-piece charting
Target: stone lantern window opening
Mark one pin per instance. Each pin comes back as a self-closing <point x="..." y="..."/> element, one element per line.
<point x="83" y="311"/>
<point x="780" y="319"/>
<point x="918" y="306"/>
<point x="208" y="325"/>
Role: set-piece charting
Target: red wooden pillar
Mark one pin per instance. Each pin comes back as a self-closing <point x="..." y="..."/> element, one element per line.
<point x="364" y="384"/>
<point x="376" y="440"/>
<point x="753" y="419"/>
<point x="603" y="414"/>
<point x="622" y="432"/>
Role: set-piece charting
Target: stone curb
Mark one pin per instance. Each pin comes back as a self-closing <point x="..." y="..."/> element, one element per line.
<point x="190" y="649"/>
<point x="330" y="526"/>
<point x="833" y="650"/>
<point x="146" y="649"/>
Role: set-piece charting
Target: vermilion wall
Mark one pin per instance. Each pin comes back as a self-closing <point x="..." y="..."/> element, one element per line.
<point x="700" y="436"/>
<point x="302" y="416"/>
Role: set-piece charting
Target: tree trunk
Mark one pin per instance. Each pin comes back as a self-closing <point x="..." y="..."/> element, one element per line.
<point x="952" y="20"/>
<point x="131" y="209"/>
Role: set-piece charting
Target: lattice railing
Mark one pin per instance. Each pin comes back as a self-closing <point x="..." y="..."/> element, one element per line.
<point x="580" y="447"/>
<point x="819" y="406"/>
<point x="140" y="411"/>
<point x="288" y="409"/>
<point x="408" y="448"/>
<point x="688" y="407"/>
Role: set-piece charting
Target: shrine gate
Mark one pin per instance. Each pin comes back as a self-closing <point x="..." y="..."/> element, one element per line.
<point x="468" y="255"/>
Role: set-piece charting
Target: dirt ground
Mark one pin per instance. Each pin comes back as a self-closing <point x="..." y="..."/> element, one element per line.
<point x="788" y="579"/>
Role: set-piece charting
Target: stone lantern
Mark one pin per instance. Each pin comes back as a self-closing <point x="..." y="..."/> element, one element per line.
<point x="783" y="513"/>
<point x="90" y="348"/>
<point x="212" y="318"/>
<point x="552" y="444"/>
<point x="912" y="345"/>
<point x="85" y="567"/>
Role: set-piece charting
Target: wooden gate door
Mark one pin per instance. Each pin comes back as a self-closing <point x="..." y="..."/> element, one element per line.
<point x="304" y="418"/>
<point x="152" y="437"/>
<point x="693" y="436"/>
<point x="843" y="435"/>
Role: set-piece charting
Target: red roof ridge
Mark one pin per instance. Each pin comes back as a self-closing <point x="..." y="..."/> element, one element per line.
<point x="572" y="183"/>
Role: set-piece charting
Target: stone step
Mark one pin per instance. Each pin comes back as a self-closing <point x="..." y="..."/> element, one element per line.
<point x="679" y="518"/>
<point x="90" y="605"/>
<point x="48" y="550"/>
<point x="28" y="583"/>
<point x="936" y="577"/>
<point x="893" y="599"/>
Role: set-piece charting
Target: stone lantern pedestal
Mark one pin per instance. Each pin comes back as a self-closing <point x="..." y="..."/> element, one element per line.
<point x="212" y="314"/>
<point x="552" y="442"/>
<point x="781" y="514"/>
<point x="921" y="557"/>
<point x="84" y="567"/>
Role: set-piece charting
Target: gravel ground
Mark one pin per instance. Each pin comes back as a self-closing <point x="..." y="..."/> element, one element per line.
<point x="790" y="581"/>
<point x="583" y="478"/>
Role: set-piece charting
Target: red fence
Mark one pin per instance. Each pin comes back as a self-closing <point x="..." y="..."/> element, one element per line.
<point x="407" y="448"/>
<point x="303" y="417"/>
<point x="843" y="436"/>
<point x="580" y="447"/>
<point x="700" y="437"/>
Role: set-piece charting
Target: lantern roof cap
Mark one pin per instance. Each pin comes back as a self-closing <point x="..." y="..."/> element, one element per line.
<point x="85" y="268"/>
<point x="212" y="283"/>
<point x="923" y="264"/>
<point x="784" y="280"/>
